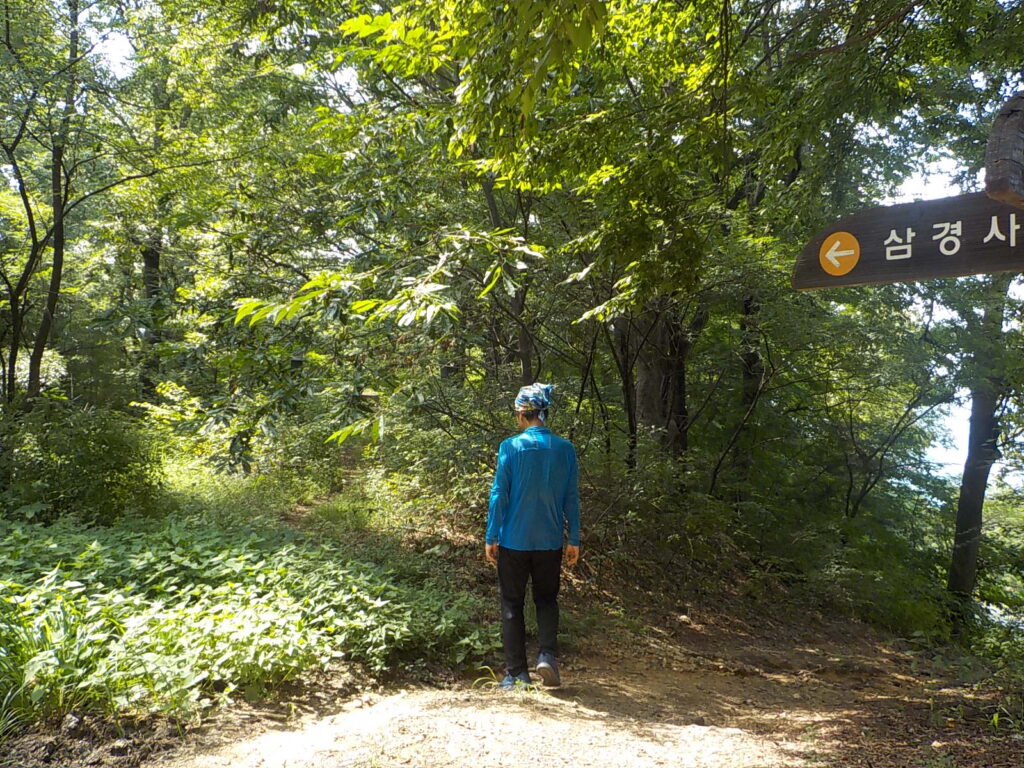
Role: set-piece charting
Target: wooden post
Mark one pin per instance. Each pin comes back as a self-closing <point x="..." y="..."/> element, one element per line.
<point x="1004" y="154"/>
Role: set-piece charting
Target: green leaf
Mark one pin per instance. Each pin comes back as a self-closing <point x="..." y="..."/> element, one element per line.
<point x="246" y="308"/>
<point x="494" y="275"/>
<point x="365" y="305"/>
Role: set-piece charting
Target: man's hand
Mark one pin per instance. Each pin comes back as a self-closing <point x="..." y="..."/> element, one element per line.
<point x="572" y="555"/>
<point x="491" y="552"/>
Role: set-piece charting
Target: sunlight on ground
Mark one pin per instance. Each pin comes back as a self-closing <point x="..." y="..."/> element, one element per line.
<point x="491" y="729"/>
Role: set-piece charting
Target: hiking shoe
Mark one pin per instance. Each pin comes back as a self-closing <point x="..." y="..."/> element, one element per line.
<point x="547" y="668"/>
<point x="511" y="681"/>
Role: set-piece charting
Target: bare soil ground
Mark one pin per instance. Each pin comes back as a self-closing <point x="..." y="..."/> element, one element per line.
<point x="693" y="696"/>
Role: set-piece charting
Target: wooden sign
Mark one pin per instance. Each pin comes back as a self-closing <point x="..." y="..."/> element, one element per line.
<point x="950" y="237"/>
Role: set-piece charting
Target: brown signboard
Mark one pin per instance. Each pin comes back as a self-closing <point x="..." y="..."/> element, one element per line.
<point x="950" y="237"/>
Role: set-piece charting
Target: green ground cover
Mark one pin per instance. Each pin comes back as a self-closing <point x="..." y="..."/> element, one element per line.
<point x="212" y="598"/>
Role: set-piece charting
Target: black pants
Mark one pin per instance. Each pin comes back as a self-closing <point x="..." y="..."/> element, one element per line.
<point x="515" y="568"/>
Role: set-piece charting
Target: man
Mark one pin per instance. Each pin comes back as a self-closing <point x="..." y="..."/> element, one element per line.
<point x="535" y="492"/>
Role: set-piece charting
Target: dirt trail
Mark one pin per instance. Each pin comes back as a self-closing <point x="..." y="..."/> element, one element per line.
<point x="468" y="728"/>
<point x="743" y="704"/>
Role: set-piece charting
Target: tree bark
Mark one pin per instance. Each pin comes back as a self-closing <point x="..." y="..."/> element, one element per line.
<point x="10" y="371"/>
<point x="986" y="394"/>
<point x="753" y="365"/>
<point x="59" y="184"/>
<point x="661" y="378"/>
<point x="153" y="246"/>
<point x="42" y="338"/>
<point x="621" y="345"/>
<point x="981" y="454"/>
<point x="524" y="339"/>
<point x="752" y="381"/>
<point x="152" y="288"/>
<point x="16" y="293"/>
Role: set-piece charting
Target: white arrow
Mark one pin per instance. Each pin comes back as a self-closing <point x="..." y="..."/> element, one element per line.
<point x="834" y="253"/>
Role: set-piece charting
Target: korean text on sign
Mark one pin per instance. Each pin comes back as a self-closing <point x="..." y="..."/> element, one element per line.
<point x="996" y="233"/>
<point x="899" y="248"/>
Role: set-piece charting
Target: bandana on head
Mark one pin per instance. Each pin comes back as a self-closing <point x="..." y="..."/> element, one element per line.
<point x="535" y="397"/>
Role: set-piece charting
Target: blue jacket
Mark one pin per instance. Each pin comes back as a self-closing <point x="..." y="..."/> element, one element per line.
<point x="535" y="491"/>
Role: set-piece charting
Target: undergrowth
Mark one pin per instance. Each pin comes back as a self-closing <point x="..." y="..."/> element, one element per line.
<point x="989" y="659"/>
<point x="217" y="596"/>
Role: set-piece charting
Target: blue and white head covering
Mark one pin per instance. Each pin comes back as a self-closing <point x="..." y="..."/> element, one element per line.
<point x="535" y="397"/>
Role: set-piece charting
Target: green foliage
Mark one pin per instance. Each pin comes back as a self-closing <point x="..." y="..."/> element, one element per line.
<point x="179" y="614"/>
<point x="60" y="460"/>
<point x="881" y="576"/>
<point x="1001" y="645"/>
<point x="1001" y="556"/>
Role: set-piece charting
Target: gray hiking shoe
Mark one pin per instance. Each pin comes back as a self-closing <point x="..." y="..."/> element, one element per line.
<point x="510" y="681"/>
<point x="547" y="668"/>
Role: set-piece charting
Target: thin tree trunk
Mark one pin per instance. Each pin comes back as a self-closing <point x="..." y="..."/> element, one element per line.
<point x="17" y="324"/>
<point x="619" y="343"/>
<point x="981" y="454"/>
<point x="753" y="365"/>
<point x="152" y="287"/>
<point x="17" y="292"/>
<point x="524" y="339"/>
<point x="153" y="247"/>
<point x="986" y="393"/>
<point x="583" y="385"/>
<point x="56" y="275"/>
<point x="58" y="189"/>
<point x="752" y="381"/>
<point x="682" y="348"/>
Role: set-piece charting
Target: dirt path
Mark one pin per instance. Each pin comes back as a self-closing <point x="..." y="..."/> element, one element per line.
<point x="732" y="702"/>
<point x="465" y="728"/>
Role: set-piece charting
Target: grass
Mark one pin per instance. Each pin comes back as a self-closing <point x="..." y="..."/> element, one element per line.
<point x="216" y="596"/>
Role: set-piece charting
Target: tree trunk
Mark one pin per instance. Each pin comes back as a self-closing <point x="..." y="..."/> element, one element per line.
<point x="58" y="189"/>
<point x="17" y="323"/>
<point x="151" y="253"/>
<point x="153" y="333"/>
<point x="16" y="293"/>
<point x="981" y="454"/>
<point x="621" y="346"/>
<point x="56" y="274"/>
<point x="524" y="339"/>
<point x="752" y="380"/>
<point x="661" y="378"/>
<point x="986" y="394"/>
<point x="753" y="365"/>
<point x="654" y="371"/>
<point x="153" y="246"/>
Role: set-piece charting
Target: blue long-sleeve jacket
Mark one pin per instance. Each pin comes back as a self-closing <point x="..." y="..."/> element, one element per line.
<point x="535" y="491"/>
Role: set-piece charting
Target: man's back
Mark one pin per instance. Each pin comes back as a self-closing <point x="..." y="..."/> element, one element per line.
<point x="534" y="492"/>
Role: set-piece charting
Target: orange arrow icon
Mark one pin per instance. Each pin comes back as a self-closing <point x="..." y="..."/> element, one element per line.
<point x="839" y="253"/>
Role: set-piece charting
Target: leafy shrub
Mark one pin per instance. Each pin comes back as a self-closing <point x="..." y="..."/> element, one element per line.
<point x="61" y="460"/>
<point x="1001" y="644"/>
<point x="177" y="614"/>
<point x="879" y="576"/>
<point x="1001" y="557"/>
<point x="457" y="473"/>
<point x="299" y="448"/>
